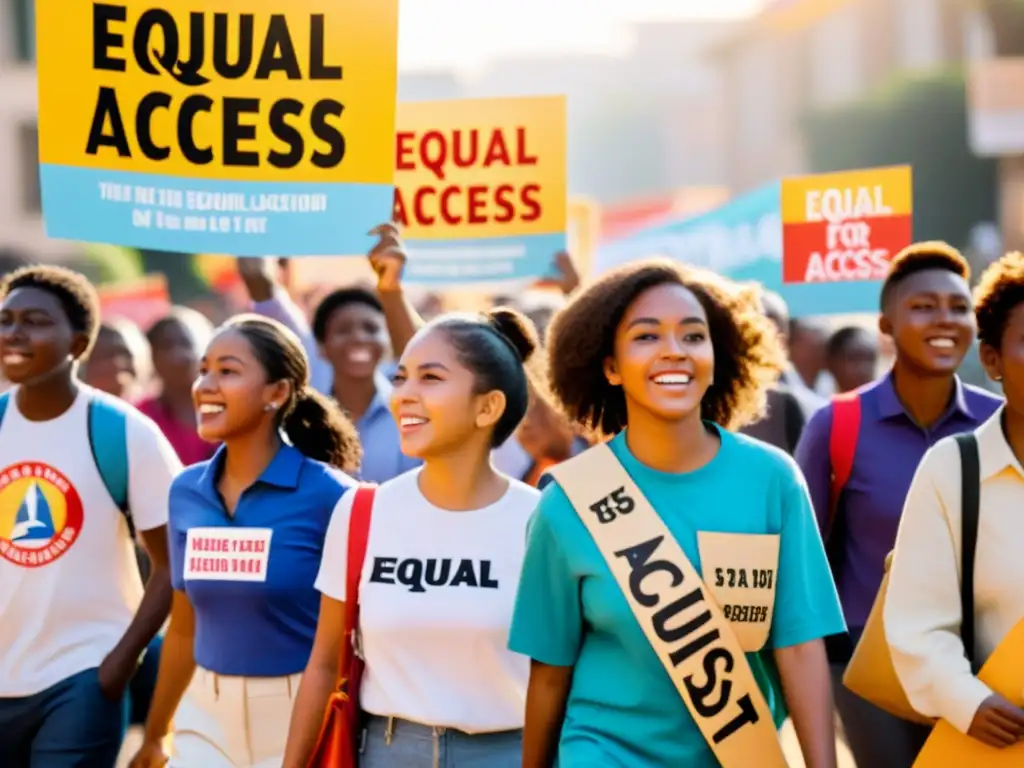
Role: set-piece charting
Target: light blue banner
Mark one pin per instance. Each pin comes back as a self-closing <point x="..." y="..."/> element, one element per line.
<point x="167" y="213"/>
<point x="482" y="261"/>
<point x="741" y="239"/>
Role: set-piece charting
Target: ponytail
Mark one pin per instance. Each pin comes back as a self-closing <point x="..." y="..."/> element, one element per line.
<point x="320" y="431"/>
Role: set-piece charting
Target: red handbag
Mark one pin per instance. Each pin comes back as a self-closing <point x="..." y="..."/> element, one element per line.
<point x="338" y="743"/>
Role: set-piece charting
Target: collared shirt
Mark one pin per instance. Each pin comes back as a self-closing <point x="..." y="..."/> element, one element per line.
<point x="889" y="448"/>
<point x="249" y="576"/>
<point x="382" y="450"/>
<point x="922" y="608"/>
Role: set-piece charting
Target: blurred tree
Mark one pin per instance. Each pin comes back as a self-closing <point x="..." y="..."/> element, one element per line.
<point x="179" y="268"/>
<point x="920" y="120"/>
<point x="114" y="263"/>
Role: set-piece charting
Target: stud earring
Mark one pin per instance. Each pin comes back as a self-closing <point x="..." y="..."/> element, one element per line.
<point x="270" y="407"/>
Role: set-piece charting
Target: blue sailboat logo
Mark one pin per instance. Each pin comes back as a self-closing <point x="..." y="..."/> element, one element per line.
<point x="33" y="525"/>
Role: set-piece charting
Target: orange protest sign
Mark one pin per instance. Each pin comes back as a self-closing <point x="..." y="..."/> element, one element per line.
<point x="1004" y="674"/>
<point x="845" y="227"/>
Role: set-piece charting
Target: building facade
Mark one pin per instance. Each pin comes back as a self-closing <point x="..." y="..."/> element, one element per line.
<point x="804" y="54"/>
<point x="21" y="224"/>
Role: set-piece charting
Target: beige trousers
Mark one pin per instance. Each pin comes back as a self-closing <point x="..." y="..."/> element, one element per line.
<point x="233" y="722"/>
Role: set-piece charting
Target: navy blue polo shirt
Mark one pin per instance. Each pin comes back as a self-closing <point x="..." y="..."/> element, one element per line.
<point x="250" y="577"/>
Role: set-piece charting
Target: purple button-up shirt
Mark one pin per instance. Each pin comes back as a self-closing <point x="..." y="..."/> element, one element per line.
<point x="889" y="448"/>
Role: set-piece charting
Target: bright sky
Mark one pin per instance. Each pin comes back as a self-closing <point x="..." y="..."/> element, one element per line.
<point x="467" y="33"/>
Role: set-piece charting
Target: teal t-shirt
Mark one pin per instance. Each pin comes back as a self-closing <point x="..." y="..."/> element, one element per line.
<point x="623" y="709"/>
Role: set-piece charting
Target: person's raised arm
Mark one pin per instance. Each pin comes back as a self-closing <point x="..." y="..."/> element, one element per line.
<point x="922" y="614"/>
<point x="388" y="259"/>
<point x="568" y="278"/>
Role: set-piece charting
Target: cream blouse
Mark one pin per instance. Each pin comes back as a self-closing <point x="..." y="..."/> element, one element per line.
<point x="922" y="610"/>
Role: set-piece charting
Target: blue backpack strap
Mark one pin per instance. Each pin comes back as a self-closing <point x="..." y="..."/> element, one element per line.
<point x="5" y="398"/>
<point x="108" y="440"/>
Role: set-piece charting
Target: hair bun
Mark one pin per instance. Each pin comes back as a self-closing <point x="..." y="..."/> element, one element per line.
<point x="517" y="328"/>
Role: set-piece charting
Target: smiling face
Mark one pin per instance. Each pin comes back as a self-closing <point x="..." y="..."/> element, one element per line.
<point x="931" y="320"/>
<point x="434" y="400"/>
<point x="231" y="394"/>
<point x="355" y="339"/>
<point x="663" y="358"/>
<point x="36" y="338"/>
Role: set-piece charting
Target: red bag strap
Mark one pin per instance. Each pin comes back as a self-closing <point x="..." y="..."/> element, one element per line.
<point x="358" y="535"/>
<point x="842" y="445"/>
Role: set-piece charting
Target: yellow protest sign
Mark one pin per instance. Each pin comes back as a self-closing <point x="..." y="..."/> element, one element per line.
<point x="845" y="227"/>
<point x="215" y="126"/>
<point x="481" y="187"/>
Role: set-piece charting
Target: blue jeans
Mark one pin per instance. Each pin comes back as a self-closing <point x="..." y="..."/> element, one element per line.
<point x="419" y="746"/>
<point x="69" y="725"/>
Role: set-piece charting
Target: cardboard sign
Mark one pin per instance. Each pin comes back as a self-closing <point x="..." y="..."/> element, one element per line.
<point x="1004" y="674"/>
<point x="741" y="571"/>
<point x="227" y="554"/>
<point x="481" y="188"/>
<point x="845" y="227"/>
<point x="209" y="126"/>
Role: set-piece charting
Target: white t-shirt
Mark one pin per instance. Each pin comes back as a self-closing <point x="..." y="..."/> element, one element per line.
<point x="69" y="581"/>
<point x="436" y="599"/>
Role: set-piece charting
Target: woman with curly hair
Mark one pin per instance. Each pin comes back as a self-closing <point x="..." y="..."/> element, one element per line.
<point x="635" y="667"/>
<point x="923" y="614"/>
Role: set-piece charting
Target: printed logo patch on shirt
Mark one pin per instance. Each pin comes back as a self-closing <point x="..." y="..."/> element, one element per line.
<point x="227" y="554"/>
<point x="41" y="514"/>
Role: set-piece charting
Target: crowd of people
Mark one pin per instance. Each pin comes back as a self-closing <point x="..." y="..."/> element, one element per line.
<point x="621" y="526"/>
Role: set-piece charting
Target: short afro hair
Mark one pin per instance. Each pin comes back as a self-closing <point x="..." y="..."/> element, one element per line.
<point x="748" y="351"/>
<point x="920" y="257"/>
<point x="72" y="289"/>
<point x="340" y="299"/>
<point x="999" y="291"/>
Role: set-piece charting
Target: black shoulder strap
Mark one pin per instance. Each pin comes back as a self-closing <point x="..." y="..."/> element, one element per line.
<point x="970" y="490"/>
